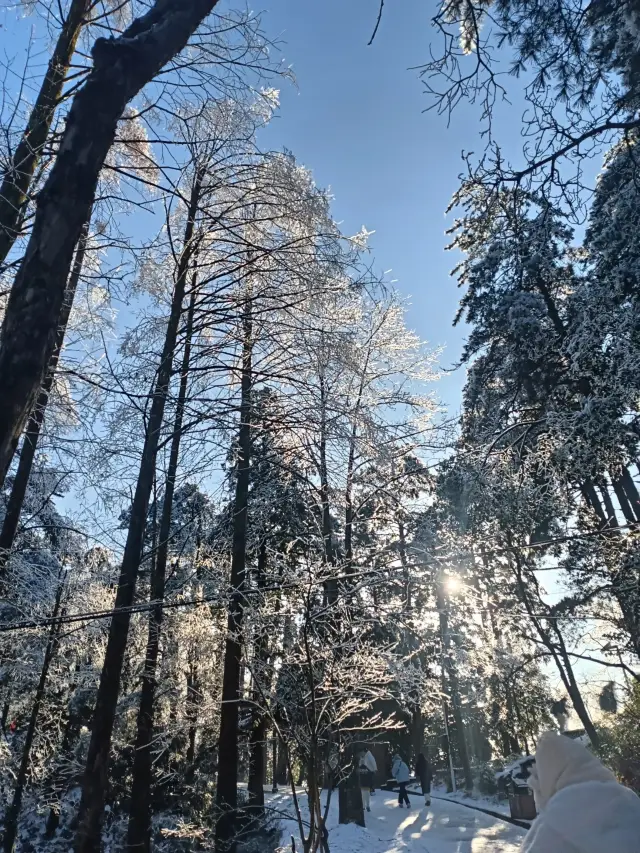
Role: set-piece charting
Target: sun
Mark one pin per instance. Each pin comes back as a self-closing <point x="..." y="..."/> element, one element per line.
<point x="452" y="584"/>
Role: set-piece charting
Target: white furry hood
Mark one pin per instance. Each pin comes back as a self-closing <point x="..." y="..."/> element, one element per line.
<point x="582" y="807"/>
<point x="561" y="762"/>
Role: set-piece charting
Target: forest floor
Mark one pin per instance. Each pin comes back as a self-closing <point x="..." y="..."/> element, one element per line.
<point x="444" y="827"/>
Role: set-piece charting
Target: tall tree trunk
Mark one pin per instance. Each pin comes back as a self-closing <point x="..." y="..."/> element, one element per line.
<point x="96" y="769"/>
<point x="406" y="575"/>
<point x="227" y="791"/>
<point x="194" y="700"/>
<point x="348" y="502"/>
<point x="139" y="828"/>
<point x="574" y="692"/>
<point x="281" y="768"/>
<point x="331" y="585"/>
<point x="621" y="495"/>
<point x="348" y="512"/>
<point x="6" y="707"/>
<point x="623" y="587"/>
<point x="259" y="718"/>
<point x="122" y="66"/>
<point x="610" y="510"/>
<point x="274" y="761"/>
<point x="417" y="731"/>
<point x="631" y="491"/>
<point x="32" y="433"/>
<point x="557" y="651"/>
<point x="13" y="812"/>
<point x="454" y="689"/>
<point x="18" y="176"/>
<point x="591" y="497"/>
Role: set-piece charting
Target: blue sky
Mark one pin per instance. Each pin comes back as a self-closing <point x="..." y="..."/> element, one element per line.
<point x="356" y="119"/>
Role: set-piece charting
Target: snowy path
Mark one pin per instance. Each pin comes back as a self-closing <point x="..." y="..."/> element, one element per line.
<point x="444" y="827"/>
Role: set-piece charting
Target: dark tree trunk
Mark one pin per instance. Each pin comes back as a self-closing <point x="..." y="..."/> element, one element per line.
<point x="350" y="809"/>
<point x="558" y="652"/>
<point x="348" y="502"/>
<point x="258" y="715"/>
<point x="257" y="766"/>
<point x="32" y="433"/>
<point x="402" y="543"/>
<point x="331" y="585"/>
<point x="417" y="730"/>
<point x="5" y="715"/>
<point x="591" y="497"/>
<point x="194" y="699"/>
<point x="348" y="499"/>
<point x="227" y="791"/>
<point x="574" y="693"/>
<point x="610" y="511"/>
<point x="13" y="812"/>
<point x="454" y="690"/>
<point x="19" y="173"/>
<point x="139" y="828"/>
<point x="348" y="524"/>
<point x="631" y="491"/>
<point x="274" y="763"/>
<point x="122" y="66"/>
<point x="622" y="589"/>
<point x="281" y="769"/>
<point x="625" y="506"/>
<point x="96" y="769"/>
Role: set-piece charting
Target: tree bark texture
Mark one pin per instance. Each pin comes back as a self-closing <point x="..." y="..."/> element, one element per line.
<point x="18" y="176"/>
<point x="331" y="585"/>
<point x="259" y="720"/>
<point x="227" y="792"/>
<point x="350" y="809"/>
<point x="631" y="491"/>
<point x="34" y="426"/>
<point x="97" y="764"/>
<point x="622" y="586"/>
<point x="139" y="828"/>
<point x="122" y="66"/>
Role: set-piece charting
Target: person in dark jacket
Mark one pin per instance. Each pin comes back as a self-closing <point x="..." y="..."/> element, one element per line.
<point x="424" y="774"/>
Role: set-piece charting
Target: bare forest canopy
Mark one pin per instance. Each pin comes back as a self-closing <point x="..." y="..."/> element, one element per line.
<point x="239" y="535"/>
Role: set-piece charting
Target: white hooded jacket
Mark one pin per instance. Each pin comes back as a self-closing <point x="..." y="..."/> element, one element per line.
<point x="369" y="761"/>
<point x="582" y="808"/>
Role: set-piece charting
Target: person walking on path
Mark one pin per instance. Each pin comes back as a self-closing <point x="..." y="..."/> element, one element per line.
<point x="400" y="773"/>
<point x="581" y="806"/>
<point x="366" y="768"/>
<point x="370" y="761"/>
<point x="424" y="774"/>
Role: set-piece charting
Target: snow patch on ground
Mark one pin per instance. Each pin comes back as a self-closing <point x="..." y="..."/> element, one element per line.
<point x="491" y="803"/>
<point x="444" y="827"/>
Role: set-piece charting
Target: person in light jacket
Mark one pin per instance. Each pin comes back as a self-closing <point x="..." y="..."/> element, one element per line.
<point x="581" y="806"/>
<point x="366" y="768"/>
<point x="371" y="764"/>
<point x="424" y="774"/>
<point x="400" y="773"/>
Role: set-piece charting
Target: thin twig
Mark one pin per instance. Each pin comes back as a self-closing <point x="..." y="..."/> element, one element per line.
<point x="375" y="31"/>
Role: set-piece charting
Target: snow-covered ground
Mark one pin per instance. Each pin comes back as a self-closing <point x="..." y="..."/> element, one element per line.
<point x="491" y="803"/>
<point x="444" y="827"/>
